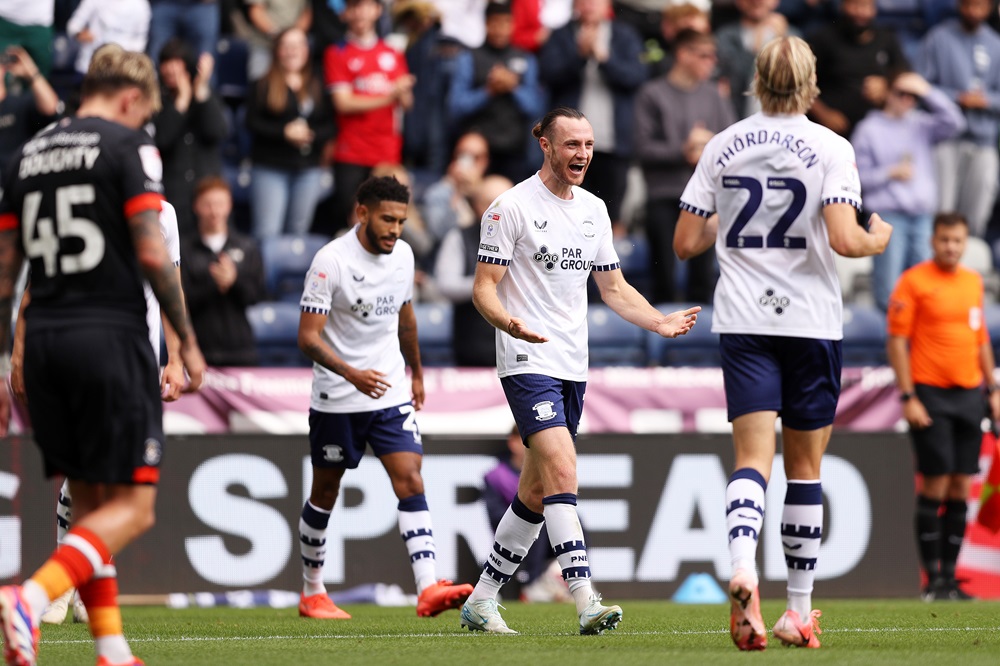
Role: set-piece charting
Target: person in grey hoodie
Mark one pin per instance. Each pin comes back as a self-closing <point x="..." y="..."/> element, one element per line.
<point x="894" y="148"/>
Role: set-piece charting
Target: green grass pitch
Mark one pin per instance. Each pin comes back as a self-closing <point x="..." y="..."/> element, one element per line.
<point x="854" y="632"/>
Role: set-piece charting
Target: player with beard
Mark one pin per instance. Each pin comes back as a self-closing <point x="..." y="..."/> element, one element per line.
<point x="359" y="328"/>
<point x="539" y="244"/>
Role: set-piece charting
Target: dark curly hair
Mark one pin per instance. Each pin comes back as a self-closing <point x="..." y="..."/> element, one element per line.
<point x="375" y="190"/>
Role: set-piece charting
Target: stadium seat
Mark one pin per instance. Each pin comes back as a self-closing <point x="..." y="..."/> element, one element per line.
<point x="276" y="330"/>
<point x="434" y="330"/>
<point x="633" y="252"/>
<point x="286" y="262"/>
<point x="614" y="341"/>
<point x="236" y="147"/>
<point x="698" y="348"/>
<point x="855" y="275"/>
<point x="231" y="68"/>
<point x="239" y="179"/>
<point x="864" y="336"/>
<point x="979" y="257"/>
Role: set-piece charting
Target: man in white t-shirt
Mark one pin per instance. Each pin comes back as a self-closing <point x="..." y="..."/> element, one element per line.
<point x="172" y="383"/>
<point x="359" y="328"/>
<point x="777" y="195"/>
<point x="539" y="243"/>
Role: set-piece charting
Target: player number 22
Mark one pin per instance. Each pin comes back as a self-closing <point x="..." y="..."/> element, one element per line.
<point x="43" y="240"/>
<point x="776" y="237"/>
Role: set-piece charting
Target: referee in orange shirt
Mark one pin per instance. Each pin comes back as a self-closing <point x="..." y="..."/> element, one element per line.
<point x="940" y="350"/>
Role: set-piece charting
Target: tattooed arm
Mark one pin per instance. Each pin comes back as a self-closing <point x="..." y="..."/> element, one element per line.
<point x="411" y="352"/>
<point x="11" y="258"/>
<point x="370" y="382"/>
<point x="164" y="279"/>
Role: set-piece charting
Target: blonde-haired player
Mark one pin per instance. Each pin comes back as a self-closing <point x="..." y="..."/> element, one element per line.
<point x="93" y="180"/>
<point x="777" y="195"/>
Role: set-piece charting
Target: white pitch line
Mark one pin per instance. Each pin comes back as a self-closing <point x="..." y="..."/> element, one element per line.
<point x="218" y="639"/>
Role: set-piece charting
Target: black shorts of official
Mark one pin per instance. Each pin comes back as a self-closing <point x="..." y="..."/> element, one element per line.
<point x="539" y="402"/>
<point x="94" y="400"/>
<point x="797" y="377"/>
<point x="951" y="444"/>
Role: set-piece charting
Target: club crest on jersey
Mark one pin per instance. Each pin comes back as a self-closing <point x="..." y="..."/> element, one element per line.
<point x="543" y="411"/>
<point x="152" y="165"/>
<point x="386" y="62"/>
<point x="589" y="230"/>
<point x="769" y="300"/>
<point x="153" y="452"/>
<point x="545" y="258"/>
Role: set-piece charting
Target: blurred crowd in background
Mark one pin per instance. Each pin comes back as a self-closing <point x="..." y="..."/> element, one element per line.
<point x="274" y="111"/>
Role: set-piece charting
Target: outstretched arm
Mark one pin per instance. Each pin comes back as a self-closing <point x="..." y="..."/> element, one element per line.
<point x="631" y="306"/>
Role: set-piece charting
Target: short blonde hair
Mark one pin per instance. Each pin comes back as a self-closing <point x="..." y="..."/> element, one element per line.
<point x="785" y="80"/>
<point x="112" y="69"/>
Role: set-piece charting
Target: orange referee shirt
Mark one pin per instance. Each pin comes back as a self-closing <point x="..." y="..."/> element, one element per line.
<point x="941" y="314"/>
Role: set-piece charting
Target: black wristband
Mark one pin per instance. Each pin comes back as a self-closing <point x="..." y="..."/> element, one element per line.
<point x="906" y="396"/>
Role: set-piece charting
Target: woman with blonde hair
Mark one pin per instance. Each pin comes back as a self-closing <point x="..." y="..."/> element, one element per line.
<point x="777" y="195"/>
<point x="291" y="119"/>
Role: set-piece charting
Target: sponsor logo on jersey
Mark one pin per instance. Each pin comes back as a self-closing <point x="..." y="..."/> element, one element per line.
<point x="488" y="247"/>
<point x="770" y="300"/>
<point x="522" y="358"/>
<point x="543" y="411"/>
<point x="358" y="279"/>
<point x="589" y="230"/>
<point x="541" y="225"/>
<point x="152" y="453"/>
<point x="383" y="306"/>
<point x="568" y="259"/>
<point x="545" y="258"/>
<point x="387" y="61"/>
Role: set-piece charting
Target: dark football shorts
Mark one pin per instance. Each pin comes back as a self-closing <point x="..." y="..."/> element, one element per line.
<point x="539" y="402"/>
<point x="797" y="377"/>
<point x="338" y="440"/>
<point x="952" y="443"/>
<point x="94" y="400"/>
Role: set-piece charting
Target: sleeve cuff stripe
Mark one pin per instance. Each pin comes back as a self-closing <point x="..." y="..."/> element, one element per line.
<point x="608" y="267"/>
<point x="493" y="260"/>
<point x="694" y="209"/>
<point x="143" y="202"/>
<point x="836" y="200"/>
<point x="311" y="310"/>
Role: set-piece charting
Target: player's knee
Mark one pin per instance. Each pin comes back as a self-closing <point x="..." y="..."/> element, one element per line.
<point x="561" y="479"/>
<point x="408" y="484"/>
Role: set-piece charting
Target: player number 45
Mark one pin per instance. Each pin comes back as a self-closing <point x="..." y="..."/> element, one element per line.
<point x="43" y="240"/>
<point x="777" y="236"/>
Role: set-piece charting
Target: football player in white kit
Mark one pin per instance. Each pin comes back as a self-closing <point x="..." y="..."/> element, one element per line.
<point x="359" y="328"/>
<point x="539" y="243"/>
<point x="172" y="383"/>
<point x="776" y="195"/>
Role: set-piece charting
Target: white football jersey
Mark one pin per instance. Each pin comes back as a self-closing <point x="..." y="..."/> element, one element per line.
<point x="768" y="178"/>
<point x="549" y="246"/>
<point x="361" y="294"/>
<point x="168" y="227"/>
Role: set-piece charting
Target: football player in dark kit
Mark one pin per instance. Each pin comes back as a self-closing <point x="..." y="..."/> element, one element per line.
<point x="81" y="202"/>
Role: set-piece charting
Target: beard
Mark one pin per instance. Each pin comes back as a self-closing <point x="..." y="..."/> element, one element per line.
<point x="373" y="240"/>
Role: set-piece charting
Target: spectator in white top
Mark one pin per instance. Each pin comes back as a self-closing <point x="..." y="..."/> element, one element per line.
<point x="97" y="22"/>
